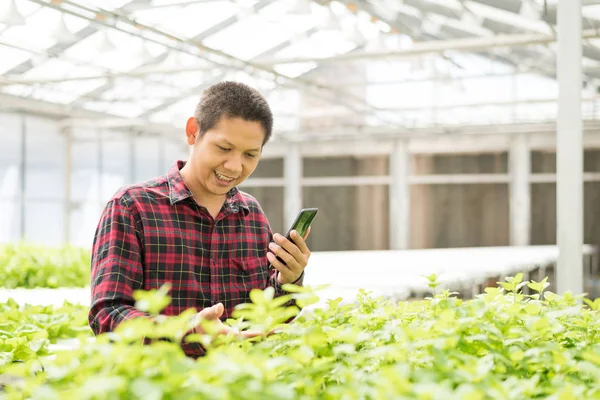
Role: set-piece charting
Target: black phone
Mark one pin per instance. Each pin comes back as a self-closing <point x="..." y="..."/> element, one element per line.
<point x="301" y="224"/>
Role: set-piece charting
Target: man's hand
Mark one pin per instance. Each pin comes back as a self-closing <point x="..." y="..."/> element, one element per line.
<point x="213" y="314"/>
<point x="295" y="255"/>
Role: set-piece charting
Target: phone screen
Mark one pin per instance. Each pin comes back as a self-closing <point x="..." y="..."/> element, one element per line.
<point x="301" y="224"/>
<point x="303" y="220"/>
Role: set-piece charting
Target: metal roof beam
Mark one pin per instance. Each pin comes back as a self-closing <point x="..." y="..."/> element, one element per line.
<point x="220" y="58"/>
<point x="198" y="38"/>
<point x="60" y="47"/>
<point x="470" y="44"/>
<point x="338" y="100"/>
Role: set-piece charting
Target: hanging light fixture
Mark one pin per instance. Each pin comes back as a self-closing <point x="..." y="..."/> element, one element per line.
<point x="330" y="22"/>
<point x="106" y="45"/>
<point x="136" y="5"/>
<point x="61" y="32"/>
<point x="530" y="10"/>
<point x="300" y="7"/>
<point x="174" y="59"/>
<point x="144" y="53"/>
<point x="354" y="34"/>
<point x="377" y="43"/>
<point x="10" y="15"/>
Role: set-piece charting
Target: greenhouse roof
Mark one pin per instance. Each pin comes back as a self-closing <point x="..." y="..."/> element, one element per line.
<point x="143" y="63"/>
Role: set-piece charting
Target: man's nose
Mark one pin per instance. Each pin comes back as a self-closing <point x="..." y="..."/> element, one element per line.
<point x="234" y="163"/>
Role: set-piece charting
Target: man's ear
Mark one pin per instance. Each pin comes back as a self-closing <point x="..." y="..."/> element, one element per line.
<point x="192" y="130"/>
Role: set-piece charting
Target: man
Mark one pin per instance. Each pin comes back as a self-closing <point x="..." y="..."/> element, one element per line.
<point x="193" y="227"/>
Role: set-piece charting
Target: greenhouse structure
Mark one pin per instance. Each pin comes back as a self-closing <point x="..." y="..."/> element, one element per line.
<point x="456" y="140"/>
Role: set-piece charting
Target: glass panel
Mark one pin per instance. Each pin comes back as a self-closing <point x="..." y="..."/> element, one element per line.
<point x="11" y="57"/>
<point x="101" y="49"/>
<point x="523" y="22"/>
<point x="105" y="4"/>
<point x="530" y="86"/>
<point x="320" y="44"/>
<point x="124" y="109"/>
<point x="294" y="70"/>
<point x="84" y="221"/>
<point x="190" y="20"/>
<point x="84" y="170"/>
<point x="137" y="89"/>
<point x="266" y="34"/>
<point x="10" y="156"/>
<point x="57" y="68"/>
<point x="174" y="150"/>
<point x="44" y="222"/>
<point x="116" y="164"/>
<point x="178" y="113"/>
<point x="474" y="115"/>
<point x="45" y="160"/>
<point x="536" y="112"/>
<point x="415" y="94"/>
<point x="147" y="158"/>
<point x="10" y="229"/>
<point x="38" y="32"/>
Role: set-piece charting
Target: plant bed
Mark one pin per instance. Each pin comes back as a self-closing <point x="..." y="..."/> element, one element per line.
<point x="26" y="265"/>
<point x="28" y="332"/>
<point x="500" y="345"/>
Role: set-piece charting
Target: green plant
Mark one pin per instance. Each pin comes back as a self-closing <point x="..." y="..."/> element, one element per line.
<point x="501" y="345"/>
<point x="27" y="331"/>
<point x="25" y="265"/>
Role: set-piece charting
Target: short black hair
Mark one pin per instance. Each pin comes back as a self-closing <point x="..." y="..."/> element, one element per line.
<point x="233" y="100"/>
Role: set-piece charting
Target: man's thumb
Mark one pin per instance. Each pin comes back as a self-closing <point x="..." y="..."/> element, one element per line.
<point x="213" y="312"/>
<point x="218" y="309"/>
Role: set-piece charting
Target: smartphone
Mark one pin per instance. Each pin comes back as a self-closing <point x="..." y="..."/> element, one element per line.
<point x="301" y="224"/>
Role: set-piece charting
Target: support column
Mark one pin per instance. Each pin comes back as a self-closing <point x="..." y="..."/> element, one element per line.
<point x="132" y="158"/>
<point x="68" y="171"/>
<point x="520" y="197"/>
<point x="399" y="196"/>
<point x="100" y="168"/>
<point x="569" y="150"/>
<point x="23" y="176"/>
<point x="292" y="170"/>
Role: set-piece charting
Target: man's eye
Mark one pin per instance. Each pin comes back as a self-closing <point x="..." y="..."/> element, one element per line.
<point x="222" y="148"/>
<point x="251" y="155"/>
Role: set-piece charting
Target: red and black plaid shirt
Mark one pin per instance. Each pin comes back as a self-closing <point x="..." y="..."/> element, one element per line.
<point x="155" y="232"/>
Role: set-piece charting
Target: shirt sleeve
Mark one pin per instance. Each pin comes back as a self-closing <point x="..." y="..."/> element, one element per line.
<point x="116" y="270"/>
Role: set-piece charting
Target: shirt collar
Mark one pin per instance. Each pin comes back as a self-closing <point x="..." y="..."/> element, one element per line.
<point x="179" y="191"/>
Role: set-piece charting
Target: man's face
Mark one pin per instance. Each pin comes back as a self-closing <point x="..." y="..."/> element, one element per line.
<point x="226" y="155"/>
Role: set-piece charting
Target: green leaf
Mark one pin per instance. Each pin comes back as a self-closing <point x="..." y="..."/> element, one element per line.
<point x="257" y="296"/>
<point x="152" y="301"/>
<point x="502" y="344"/>
<point x="6" y="357"/>
<point x="144" y="389"/>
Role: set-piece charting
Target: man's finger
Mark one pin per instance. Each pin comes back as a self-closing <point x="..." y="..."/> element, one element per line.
<point x="306" y="233"/>
<point x="300" y="243"/>
<point x="250" y="334"/>
<point x="282" y="253"/>
<point x="287" y="245"/>
<point x="212" y="313"/>
<point x="284" y="270"/>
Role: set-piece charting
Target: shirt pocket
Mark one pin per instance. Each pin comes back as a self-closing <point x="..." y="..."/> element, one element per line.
<point x="250" y="272"/>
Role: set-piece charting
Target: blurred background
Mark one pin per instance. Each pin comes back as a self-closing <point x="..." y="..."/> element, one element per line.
<point x="410" y="124"/>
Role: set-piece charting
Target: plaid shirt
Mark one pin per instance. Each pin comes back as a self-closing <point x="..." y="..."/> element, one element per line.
<point x="155" y="232"/>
